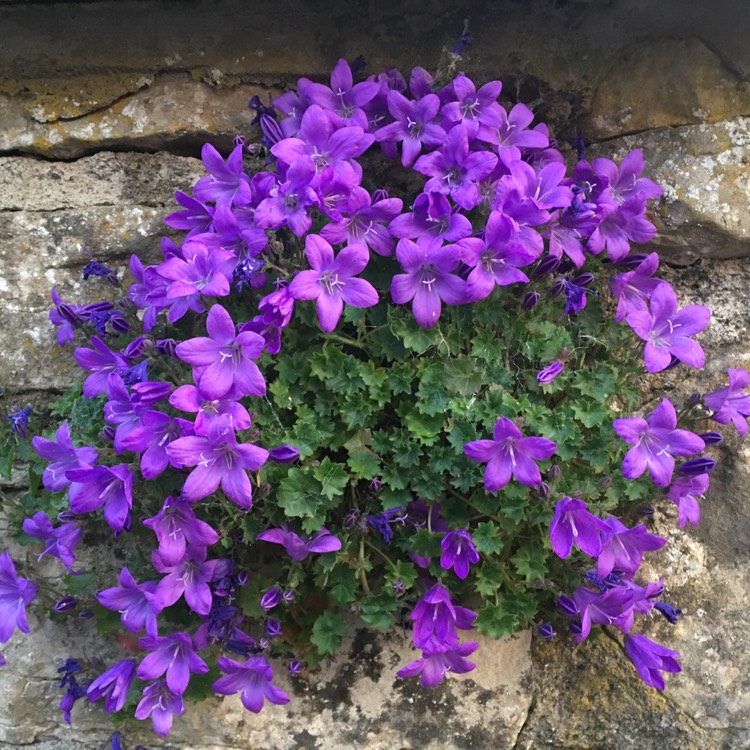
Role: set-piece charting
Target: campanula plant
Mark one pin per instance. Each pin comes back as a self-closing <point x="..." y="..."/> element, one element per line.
<point x="391" y="373"/>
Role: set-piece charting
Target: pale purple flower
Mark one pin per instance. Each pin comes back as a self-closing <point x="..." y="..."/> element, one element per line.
<point x="428" y="279"/>
<point x="655" y="442"/>
<point x="173" y="654"/>
<point x="510" y="454"/>
<point x="100" y="362"/>
<point x="611" y="607"/>
<point x="64" y="456"/>
<point x="298" y="548"/>
<point x="625" y="182"/>
<point x="225" y="359"/>
<point x="138" y="604"/>
<point x="176" y="525"/>
<point x="437" y="661"/>
<point x="650" y="659"/>
<point x="110" y="486"/>
<point x="436" y="618"/>
<point x="512" y="131"/>
<point x="573" y="524"/>
<point x="201" y="270"/>
<point x="227" y="182"/>
<point x="621" y="224"/>
<point x="156" y="432"/>
<point x="189" y="398"/>
<point x="252" y="679"/>
<point x="474" y="108"/>
<point x="15" y="594"/>
<point x="59" y="542"/>
<point x="684" y="493"/>
<point x="344" y="97"/>
<point x="459" y="552"/>
<point x="332" y="280"/>
<point x="730" y="404"/>
<point x="431" y="215"/>
<point x="219" y="460"/>
<point x="113" y="685"/>
<point x="160" y="703"/>
<point x="667" y="332"/>
<point x="195" y="218"/>
<point x="633" y="289"/>
<point x="623" y="548"/>
<point x="190" y="577"/>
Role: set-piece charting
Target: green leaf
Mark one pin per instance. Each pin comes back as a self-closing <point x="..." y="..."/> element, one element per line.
<point x="327" y="632"/>
<point x="487" y="539"/>
<point x="529" y="561"/>
<point x="406" y="572"/>
<point x="378" y="611"/>
<point x="364" y="463"/>
<point x="81" y="584"/>
<point x="299" y="493"/>
<point x="495" y="622"/>
<point x="199" y="687"/>
<point x="341" y="584"/>
<point x="332" y="477"/>
<point x="489" y="580"/>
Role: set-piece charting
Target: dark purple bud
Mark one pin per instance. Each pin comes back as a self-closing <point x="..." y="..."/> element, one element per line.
<point x="398" y="588"/>
<point x="546" y="266"/>
<point x="693" y="399"/>
<point x="543" y="489"/>
<point x="264" y="643"/>
<point x="464" y="41"/>
<point x="243" y="578"/>
<point x="65" y="604"/>
<point x="273" y="628"/>
<point x="632" y="261"/>
<point x="94" y="268"/>
<point x="379" y="195"/>
<point x="295" y="667"/>
<point x="108" y="434"/>
<point x="66" y="516"/>
<point x="557" y="288"/>
<point x="568" y="606"/>
<point x="605" y="481"/>
<point x="271" y="130"/>
<point x="530" y="300"/>
<point x="270" y="599"/>
<point x="289" y="596"/>
<point x="584" y="280"/>
<point x="284" y="454"/>
<point x="152" y="392"/>
<point x="645" y="511"/>
<point x="554" y="473"/>
<point x="669" y="612"/>
<point x="19" y="421"/>
<point x="167" y="347"/>
<point x="376" y="485"/>
<point x="545" y="630"/>
<point x="240" y="140"/>
<point x="117" y="323"/>
<point x="712" y="438"/>
<point x="575" y="628"/>
<point x="85" y="614"/>
<point x="697" y="466"/>
<point x="358" y="66"/>
<point x="592" y="578"/>
<point x="351" y="518"/>
<point x="237" y="646"/>
<point x="68" y="313"/>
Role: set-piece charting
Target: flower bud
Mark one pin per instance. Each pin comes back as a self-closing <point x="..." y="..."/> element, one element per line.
<point x="554" y="473"/>
<point x="85" y="614"/>
<point x="273" y="628"/>
<point x="557" y="288"/>
<point x="545" y="630"/>
<point x="270" y="599"/>
<point x="568" y="606"/>
<point x="284" y="454"/>
<point x="585" y="280"/>
<point x="167" y="347"/>
<point x="264" y="643"/>
<point x="243" y="578"/>
<point x="530" y="300"/>
<point x="295" y="667"/>
<point x="375" y="485"/>
<point x="138" y="347"/>
<point x="543" y="489"/>
<point x="632" y="261"/>
<point x="549" y="373"/>
<point x="65" y="604"/>
<point x="711" y="438"/>
<point x="289" y="596"/>
<point x="546" y="266"/>
<point x="697" y="466"/>
<point x="108" y="434"/>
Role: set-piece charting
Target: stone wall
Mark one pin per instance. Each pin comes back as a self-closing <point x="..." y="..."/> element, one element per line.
<point x="103" y="108"/>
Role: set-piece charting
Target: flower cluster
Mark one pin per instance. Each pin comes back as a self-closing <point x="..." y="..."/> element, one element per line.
<point x="270" y="457"/>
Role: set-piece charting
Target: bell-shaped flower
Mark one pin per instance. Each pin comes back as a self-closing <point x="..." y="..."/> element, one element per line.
<point x="655" y="442"/>
<point x="156" y="432"/>
<point x="227" y="182"/>
<point x="459" y="552"/>
<point x="219" y="460"/>
<point x="730" y="404"/>
<point x="633" y="289"/>
<point x="332" y="280"/>
<point x="173" y="654"/>
<point x="573" y="524"/>
<point x="436" y="618"/>
<point x="108" y="486"/>
<point x="64" y="456"/>
<point x="100" y="362"/>
<point x="190" y="399"/>
<point x="252" y="679"/>
<point x="58" y="542"/>
<point x="651" y="659"/>
<point x="684" y="493"/>
<point x="623" y="548"/>
<point x="437" y="661"/>
<point x="161" y="704"/>
<point x="625" y="182"/>
<point x="138" y="604"/>
<point x="201" y="270"/>
<point x="431" y="215"/>
<point x="113" y="685"/>
<point x="509" y="454"/>
<point x="298" y="548"/>
<point x="15" y="594"/>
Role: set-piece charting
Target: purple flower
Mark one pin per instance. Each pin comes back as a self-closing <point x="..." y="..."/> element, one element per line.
<point x="729" y="403"/>
<point x="176" y="525"/>
<point x="174" y="655"/>
<point x="546" y="631"/>
<point x="225" y="359"/>
<point x="655" y="442"/>
<point x="227" y="182"/>
<point x="344" y="97"/>
<point x="621" y="224"/>
<point x="160" y="703"/>
<point x="284" y="454"/>
<point x="432" y="215"/>
<point x="15" y="594"/>
<point x="428" y="279"/>
<point x="110" y="486"/>
<point x="196" y="218"/>
<point x="684" y="493"/>
<point x="436" y="618"/>
<point x="113" y="685"/>
<point x="550" y="372"/>
<point x="495" y="259"/>
<point x="666" y="331"/>
<point x="650" y="659"/>
<point x="59" y="542"/>
<point x="474" y="108"/>
<point x="455" y="170"/>
<point x="572" y="524"/>
<point x="633" y="289"/>
<point x="190" y="577"/>
<point x="270" y="599"/>
<point x="100" y="362"/>
<point x="458" y="552"/>
<point x="152" y="438"/>
<point x="612" y="607"/>
<point x="623" y="548"/>
<point x="512" y="132"/>
<point x="252" y="679"/>
<point x="298" y="548"/>
<point x="510" y="454"/>
<point x="190" y="399"/>
<point x="138" y="604"/>
<point x="332" y="280"/>
<point x="121" y="409"/>
<point x="201" y="270"/>
<point x="437" y="661"/>
<point x="219" y="460"/>
<point x="626" y="182"/>
<point x="19" y="421"/>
